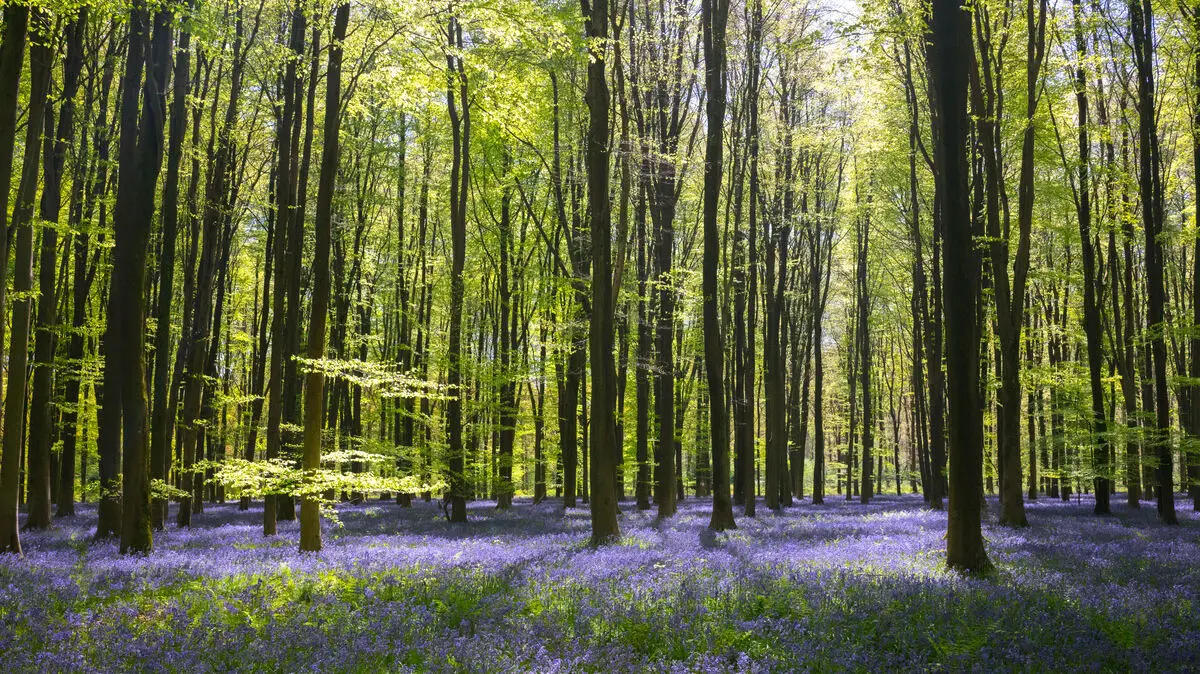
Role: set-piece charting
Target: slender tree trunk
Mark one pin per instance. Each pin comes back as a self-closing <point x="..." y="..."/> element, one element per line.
<point x="12" y="58"/>
<point x="310" y="515"/>
<point x="460" y="124"/>
<point x="160" y="440"/>
<point x="1141" y="20"/>
<point x="747" y="472"/>
<point x="1091" y="310"/>
<point x="56" y="145"/>
<point x="284" y="213"/>
<point x="41" y="58"/>
<point x="206" y="320"/>
<point x="818" y="489"/>
<point x="507" y="391"/>
<point x="864" y="342"/>
<point x="1193" y="463"/>
<point x="645" y="345"/>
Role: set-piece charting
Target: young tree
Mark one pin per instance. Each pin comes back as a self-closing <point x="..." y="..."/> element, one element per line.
<point x="864" y="349"/>
<point x="1193" y="463"/>
<point x="745" y="300"/>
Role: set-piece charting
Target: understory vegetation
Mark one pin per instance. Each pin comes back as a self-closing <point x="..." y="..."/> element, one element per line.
<point x="845" y="587"/>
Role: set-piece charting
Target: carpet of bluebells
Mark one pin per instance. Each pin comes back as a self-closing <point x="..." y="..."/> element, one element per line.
<point x="839" y="587"/>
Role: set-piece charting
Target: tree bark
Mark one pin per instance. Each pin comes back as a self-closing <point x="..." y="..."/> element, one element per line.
<point x="864" y="350"/>
<point x="603" y="438"/>
<point x="951" y="58"/>
<point x="12" y="56"/>
<point x="57" y="142"/>
<point x="1091" y="310"/>
<point x="41" y="58"/>
<point x="160" y="441"/>
<point x="284" y="213"/>
<point x="714" y="17"/>
<point x="460" y="125"/>
<point x="1141" y="21"/>
<point x="124" y="370"/>
<point x="314" y="398"/>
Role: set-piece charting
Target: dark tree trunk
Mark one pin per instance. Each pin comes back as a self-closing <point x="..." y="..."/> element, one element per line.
<point x="56" y="145"/>
<point x="284" y="213"/>
<point x="41" y="58"/>
<point x="821" y="275"/>
<point x="603" y="446"/>
<point x="714" y="17"/>
<point x="1141" y="21"/>
<point x="922" y="397"/>
<point x="1193" y="463"/>
<point x="645" y="346"/>
<point x="160" y="440"/>
<point x="460" y="125"/>
<point x="124" y="370"/>
<point x="12" y="58"/>
<point x="1008" y="288"/>
<point x="206" y="320"/>
<point x="950" y="60"/>
<point x="745" y="440"/>
<point x="1091" y="309"/>
<point x="90" y="182"/>
<point x="507" y="390"/>
<point x="864" y="351"/>
<point x="778" y="492"/>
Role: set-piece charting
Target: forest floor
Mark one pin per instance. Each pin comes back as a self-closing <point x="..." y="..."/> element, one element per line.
<point x="829" y="588"/>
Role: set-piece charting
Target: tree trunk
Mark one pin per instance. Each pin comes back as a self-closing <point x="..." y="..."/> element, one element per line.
<point x="507" y="391"/>
<point x="56" y="145"/>
<point x="1193" y="463"/>
<point x="310" y="515"/>
<point x="1091" y="310"/>
<point x="160" y="440"/>
<point x="604" y="432"/>
<point x="864" y="348"/>
<point x="950" y="59"/>
<point x="746" y="449"/>
<point x="12" y="58"/>
<point x="645" y="346"/>
<point x="285" y="193"/>
<point x="1141" y="21"/>
<point x="460" y="172"/>
<point x="714" y="17"/>
<point x="41" y="58"/>
<point x="124" y="369"/>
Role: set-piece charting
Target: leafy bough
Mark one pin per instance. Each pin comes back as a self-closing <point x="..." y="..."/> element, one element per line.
<point x="280" y="477"/>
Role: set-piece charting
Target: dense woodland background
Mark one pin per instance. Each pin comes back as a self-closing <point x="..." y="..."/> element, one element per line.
<point x="293" y="253"/>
